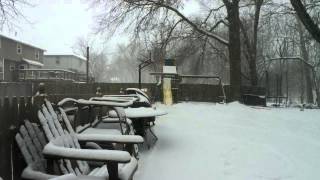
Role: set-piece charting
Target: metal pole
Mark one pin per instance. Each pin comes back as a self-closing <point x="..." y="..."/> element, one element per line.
<point x="267" y="84"/>
<point x="139" y="76"/>
<point x="287" y="82"/>
<point x="87" y="64"/>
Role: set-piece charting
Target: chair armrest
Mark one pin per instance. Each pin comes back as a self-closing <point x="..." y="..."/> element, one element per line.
<point x="57" y="152"/>
<point x="30" y="173"/>
<point x="66" y="100"/>
<point x="126" y="139"/>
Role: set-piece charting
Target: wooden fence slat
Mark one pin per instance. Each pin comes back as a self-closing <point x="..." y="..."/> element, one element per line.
<point x="30" y="111"/>
<point x="14" y="120"/>
<point x="22" y="110"/>
<point x="2" y="148"/>
<point x="6" y="152"/>
<point x="6" y="110"/>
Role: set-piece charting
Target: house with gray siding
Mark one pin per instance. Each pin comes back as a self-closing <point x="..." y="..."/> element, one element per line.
<point x="69" y="62"/>
<point x="17" y="55"/>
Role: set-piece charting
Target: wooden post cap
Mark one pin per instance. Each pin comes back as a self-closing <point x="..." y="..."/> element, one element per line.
<point x="98" y="91"/>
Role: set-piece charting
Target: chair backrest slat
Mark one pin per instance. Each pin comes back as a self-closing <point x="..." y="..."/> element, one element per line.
<point x="45" y="126"/>
<point x="54" y="117"/>
<point x="50" y="122"/>
<point x="40" y="135"/>
<point x="34" y="137"/>
<point x="30" y="145"/>
<point x="66" y="120"/>
<point x="23" y="148"/>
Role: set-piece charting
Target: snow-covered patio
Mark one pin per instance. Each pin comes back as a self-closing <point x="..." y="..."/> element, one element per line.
<point x="223" y="142"/>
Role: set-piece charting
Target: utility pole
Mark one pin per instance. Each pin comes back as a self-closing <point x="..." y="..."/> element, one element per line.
<point x="87" y="64"/>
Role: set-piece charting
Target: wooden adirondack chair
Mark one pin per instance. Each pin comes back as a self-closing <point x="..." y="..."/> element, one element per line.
<point x="64" y="148"/>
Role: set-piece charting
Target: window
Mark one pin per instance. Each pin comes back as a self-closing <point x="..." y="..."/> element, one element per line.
<point x="22" y="67"/>
<point x="19" y="48"/>
<point x="12" y="67"/>
<point x="57" y="61"/>
<point x="37" y="54"/>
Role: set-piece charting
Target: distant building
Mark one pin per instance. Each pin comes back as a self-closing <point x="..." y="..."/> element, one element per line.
<point x="68" y="62"/>
<point x="16" y="55"/>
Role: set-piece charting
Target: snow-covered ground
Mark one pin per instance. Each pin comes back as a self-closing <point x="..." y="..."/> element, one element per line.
<point x="224" y="142"/>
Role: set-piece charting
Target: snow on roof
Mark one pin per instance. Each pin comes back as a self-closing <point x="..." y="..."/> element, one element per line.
<point x="19" y="41"/>
<point x="62" y="54"/>
<point x="35" y="63"/>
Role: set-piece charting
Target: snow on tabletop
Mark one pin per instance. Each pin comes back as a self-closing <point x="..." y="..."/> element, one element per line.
<point x="105" y="103"/>
<point x="140" y="112"/>
<point x="117" y="99"/>
<point x="233" y="142"/>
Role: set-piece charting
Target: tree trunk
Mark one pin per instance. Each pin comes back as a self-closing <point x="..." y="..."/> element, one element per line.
<point x="251" y="46"/>
<point x="234" y="48"/>
<point x="305" y="18"/>
<point x="253" y="65"/>
<point x="305" y="56"/>
<point x="316" y="86"/>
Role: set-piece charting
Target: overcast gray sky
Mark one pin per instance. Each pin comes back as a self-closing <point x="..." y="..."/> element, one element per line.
<point x="56" y="24"/>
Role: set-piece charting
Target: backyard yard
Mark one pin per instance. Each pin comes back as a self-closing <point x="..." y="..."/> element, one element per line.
<point x="233" y="141"/>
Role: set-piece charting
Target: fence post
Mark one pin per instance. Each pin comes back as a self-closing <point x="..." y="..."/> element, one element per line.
<point x="6" y="141"/>
<point x="2" y="138"/>
<point x="38" y="99"/>
<point x="22" y="110"/>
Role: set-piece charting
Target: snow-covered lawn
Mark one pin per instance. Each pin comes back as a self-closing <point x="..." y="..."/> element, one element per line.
<point x="223" y="142"/>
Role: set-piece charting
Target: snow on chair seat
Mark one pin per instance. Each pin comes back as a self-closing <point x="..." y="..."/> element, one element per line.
<point x="101" y="131"/>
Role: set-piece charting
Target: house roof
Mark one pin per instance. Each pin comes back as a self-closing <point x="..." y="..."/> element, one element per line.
<point x="74" y="55"/>
<point x="24" y="43"/>
<point x="35" y="63"/>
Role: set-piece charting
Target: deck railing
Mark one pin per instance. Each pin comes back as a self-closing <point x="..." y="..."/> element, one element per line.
<point x="50" y="74"/>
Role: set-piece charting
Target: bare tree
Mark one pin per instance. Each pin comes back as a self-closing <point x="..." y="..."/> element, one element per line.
<point x="10" y="12"/>
<point x="251" y="42"/>
<point x="306" y="19"/>
<point x="305" y="56"/>
<point x="98" y="59"/>
<point x="146" y="14"/>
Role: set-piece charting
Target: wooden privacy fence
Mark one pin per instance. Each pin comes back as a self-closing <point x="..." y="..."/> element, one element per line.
<point x="12" y="113"/>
